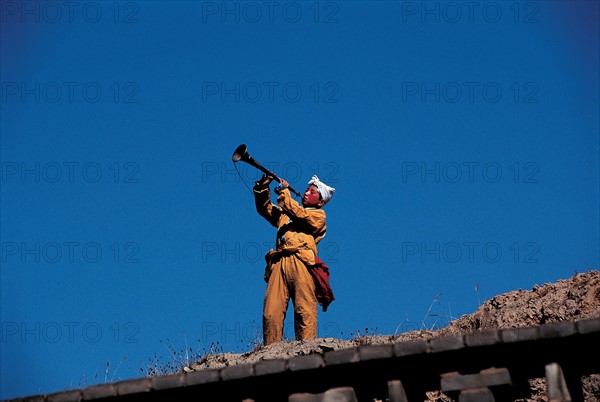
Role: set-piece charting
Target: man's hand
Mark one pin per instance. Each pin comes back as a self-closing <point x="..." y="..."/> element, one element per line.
<point x="264" y="181"/>
<point x="282" y="185"/>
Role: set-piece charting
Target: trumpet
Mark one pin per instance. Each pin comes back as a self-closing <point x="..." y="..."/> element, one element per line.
<point x="241" y="154"/>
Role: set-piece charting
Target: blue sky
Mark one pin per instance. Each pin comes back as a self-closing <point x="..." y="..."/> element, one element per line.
<point x="461" y="137"/>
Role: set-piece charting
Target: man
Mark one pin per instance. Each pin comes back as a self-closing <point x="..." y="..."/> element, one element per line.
<point x="299" y="230"/>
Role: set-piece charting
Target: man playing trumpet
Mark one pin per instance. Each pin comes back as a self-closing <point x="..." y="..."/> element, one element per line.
<point x="299" y="230"/>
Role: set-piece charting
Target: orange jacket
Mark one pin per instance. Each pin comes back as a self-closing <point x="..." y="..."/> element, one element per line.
<point x="299" y="229"/>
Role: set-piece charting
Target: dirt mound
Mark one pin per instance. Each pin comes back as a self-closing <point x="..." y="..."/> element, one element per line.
<point x="571" y="299"/>
<point x="565" y="300"/>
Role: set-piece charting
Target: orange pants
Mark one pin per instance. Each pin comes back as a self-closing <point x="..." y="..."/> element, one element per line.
<point x="289" y="278"/>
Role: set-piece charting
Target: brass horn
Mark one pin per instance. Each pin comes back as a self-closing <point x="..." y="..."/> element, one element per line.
<point x="241" y="154"/>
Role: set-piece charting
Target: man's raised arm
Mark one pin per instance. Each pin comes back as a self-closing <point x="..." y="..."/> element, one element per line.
<point x="262" y="199"/>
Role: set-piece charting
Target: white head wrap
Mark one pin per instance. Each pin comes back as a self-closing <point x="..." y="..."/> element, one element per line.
<point x="325" y="191"/>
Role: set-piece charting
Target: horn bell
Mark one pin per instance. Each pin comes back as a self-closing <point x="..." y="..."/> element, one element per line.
<point x="240" y="153"/>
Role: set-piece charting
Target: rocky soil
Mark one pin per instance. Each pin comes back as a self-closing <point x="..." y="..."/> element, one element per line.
<point x="570" y="299"/>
